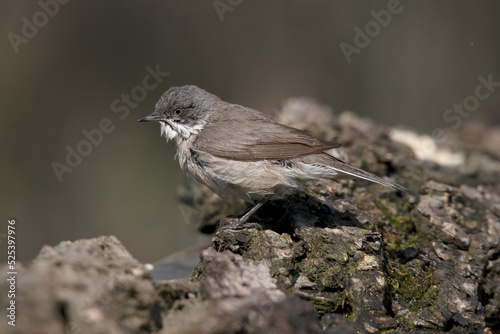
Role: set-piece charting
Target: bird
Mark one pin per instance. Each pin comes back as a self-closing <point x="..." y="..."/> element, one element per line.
<point x="240" y="152"/>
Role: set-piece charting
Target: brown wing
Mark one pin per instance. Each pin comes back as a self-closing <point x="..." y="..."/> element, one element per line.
<point x="257" y="139"/>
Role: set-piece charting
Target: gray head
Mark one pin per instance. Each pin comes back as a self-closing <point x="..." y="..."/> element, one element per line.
<point x="182" y="111"/>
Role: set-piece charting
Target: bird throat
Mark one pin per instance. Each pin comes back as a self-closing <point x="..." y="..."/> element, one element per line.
<point x="178" y="131"/>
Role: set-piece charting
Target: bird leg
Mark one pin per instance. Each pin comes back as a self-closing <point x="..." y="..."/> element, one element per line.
<point x="250" y="213"/>
<point x="242" y="222"/>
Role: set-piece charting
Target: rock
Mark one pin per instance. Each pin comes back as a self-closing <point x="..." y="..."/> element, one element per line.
<point x="86" y="286"/>
<point x="340" y="257"/>
<point x="384" y="261"/>
<point x="239" y="295"/>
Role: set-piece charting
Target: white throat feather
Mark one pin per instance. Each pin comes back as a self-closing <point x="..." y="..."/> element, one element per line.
<point x="170" y="130"/>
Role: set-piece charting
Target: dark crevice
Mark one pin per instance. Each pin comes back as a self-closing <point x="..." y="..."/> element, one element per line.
<point x="494" y="256"/>
<point x="390" y="167"/>
<point x="208" y="229"/>
<point x="336" y="289"/>
<point x="483" y="296"/>
<point x="345" y="309"/>
<point x="448" y="325"/>
<point x="62" y="308"/>
<point x="387" y="302"/>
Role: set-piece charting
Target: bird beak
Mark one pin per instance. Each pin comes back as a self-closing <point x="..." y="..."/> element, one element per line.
<point x="151" y="118"/>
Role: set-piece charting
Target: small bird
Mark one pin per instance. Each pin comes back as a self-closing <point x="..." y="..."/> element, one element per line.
<point x="240" y="152"/>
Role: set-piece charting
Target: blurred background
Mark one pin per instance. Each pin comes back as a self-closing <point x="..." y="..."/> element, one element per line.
<point x="70" y="67"/>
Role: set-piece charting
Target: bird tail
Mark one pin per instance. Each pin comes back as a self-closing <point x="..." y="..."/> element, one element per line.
<point x="345" y="170"/>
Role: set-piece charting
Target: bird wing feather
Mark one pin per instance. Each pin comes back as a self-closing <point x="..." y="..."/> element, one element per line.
<point x="348" y="171"/>
<point x="263" y="140"/>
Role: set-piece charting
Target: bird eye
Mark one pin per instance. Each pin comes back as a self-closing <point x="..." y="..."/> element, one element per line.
<point x="177" y="112"/>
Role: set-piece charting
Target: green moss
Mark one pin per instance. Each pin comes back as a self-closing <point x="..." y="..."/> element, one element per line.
<point x="325" y="265"/>
<point x="226" y="243"/>
<point x="333" y="303"/>
<point x="256" y="248"/>
<point x="412" y="287"/>
<point x="324" y="305"/>
<point x="399" y="230"/>
<point x="326" y="276"/>
<point x="398" y="215"/>
<point x="474" y="213"/>
<point x="249" y="244"/>
<point x="328" y="263"/>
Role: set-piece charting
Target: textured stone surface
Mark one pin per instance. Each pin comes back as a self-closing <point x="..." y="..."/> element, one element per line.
<point x="383" y="260"/>
<point x="86" y="286"/>
<point x="342" y="256"/>
<point x="239" y="296"/>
